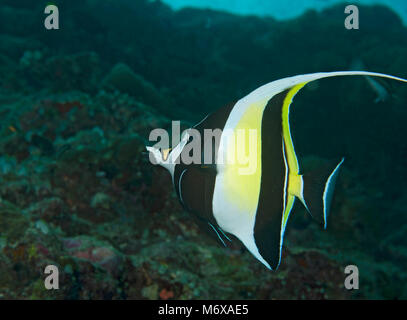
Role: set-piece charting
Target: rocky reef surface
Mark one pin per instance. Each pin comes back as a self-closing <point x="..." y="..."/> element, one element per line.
<point x="77" y="191"/>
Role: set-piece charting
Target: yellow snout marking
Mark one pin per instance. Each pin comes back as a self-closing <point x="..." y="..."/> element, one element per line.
<point x="165" y="153"/>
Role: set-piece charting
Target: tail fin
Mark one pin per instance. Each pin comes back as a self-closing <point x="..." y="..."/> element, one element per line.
<point x="318" y="188"/>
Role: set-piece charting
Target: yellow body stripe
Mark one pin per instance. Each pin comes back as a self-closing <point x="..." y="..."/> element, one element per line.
<point x="294" y="184"/>
<point x="244" y="189"/>
<point x="288" y="207"/>
<point x="289" y="146"/>
<point x="294" y="179"/>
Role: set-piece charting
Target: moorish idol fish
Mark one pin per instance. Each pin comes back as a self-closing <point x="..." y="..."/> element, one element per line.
<point x="255" y="207"/>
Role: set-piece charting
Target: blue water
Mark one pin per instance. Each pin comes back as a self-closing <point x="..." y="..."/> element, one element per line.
<point x="280" y="9"/>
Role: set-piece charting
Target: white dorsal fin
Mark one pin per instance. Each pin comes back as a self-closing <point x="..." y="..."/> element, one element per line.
<point x="270" y="89"/>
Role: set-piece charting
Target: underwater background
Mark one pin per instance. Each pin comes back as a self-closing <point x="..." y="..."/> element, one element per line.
<point x="77" y="106"/>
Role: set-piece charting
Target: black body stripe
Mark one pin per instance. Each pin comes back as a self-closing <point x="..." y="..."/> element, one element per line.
<point x="198" y="182"/>
<point x="271" y="204"/>
<point x="196" y="188"/>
